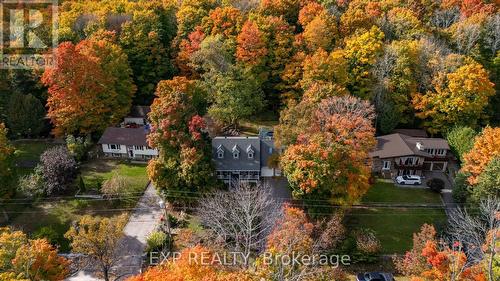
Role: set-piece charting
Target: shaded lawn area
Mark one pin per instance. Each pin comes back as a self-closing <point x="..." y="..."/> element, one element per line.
<point x="394" y="226"/>
<point x="57" y="214"/>
<point x="27" y="155"/>
<point x="266" y="119"/>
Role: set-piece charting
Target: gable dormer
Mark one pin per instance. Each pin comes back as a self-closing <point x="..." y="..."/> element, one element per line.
<point x="220" y="152"/>
<point x="236" y="152"/>
<point x="250" y="152"/>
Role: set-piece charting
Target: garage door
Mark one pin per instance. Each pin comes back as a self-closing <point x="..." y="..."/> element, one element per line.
<point x="266" y="172"/>
<point x="427" y="166"/>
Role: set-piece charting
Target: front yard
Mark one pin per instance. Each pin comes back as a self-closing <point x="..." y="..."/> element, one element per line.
<point x="28" y="153"/>
<point x="52" y="217"/>
<point x="394" y="225"/>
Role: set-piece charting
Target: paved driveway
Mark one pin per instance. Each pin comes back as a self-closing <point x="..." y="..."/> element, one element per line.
<point x="279" y="188"/>
<point x="141" y="223"/>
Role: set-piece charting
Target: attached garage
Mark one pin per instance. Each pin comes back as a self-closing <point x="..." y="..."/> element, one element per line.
<point x="266" y="172"/>
<point x="427" y="166"/>
<point x="434" y="166"/>
<point x="438" y="166"/>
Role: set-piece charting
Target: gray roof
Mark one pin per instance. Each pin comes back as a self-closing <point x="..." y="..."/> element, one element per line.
<point x="395" y="145"/>
<point x="228" y="162"/>
<point x="266" y="150"/>
<point x="125" y="136"/>
<point x="412" y="132"/>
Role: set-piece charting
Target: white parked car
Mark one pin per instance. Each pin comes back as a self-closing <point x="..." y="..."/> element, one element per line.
<point x="415" y="180"/>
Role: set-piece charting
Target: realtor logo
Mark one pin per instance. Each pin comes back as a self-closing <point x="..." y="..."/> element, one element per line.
<point x="28" y="33"/>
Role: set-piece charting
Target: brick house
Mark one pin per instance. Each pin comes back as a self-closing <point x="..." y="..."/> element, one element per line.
<point x="400" y="154"/>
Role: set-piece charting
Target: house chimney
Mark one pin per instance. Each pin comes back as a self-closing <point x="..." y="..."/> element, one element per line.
<point x="420" y="146"/>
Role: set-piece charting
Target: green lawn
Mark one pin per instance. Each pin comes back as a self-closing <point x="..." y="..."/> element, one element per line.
<point x="395" y="226"/>
<point x="27" y="153"/>
<point x="385" y="192"/>
<point x="96" y="172"/>
<point x="59" y="213"/>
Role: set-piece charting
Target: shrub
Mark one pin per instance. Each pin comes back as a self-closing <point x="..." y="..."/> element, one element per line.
<point x="156" y="241"/>
<point x="435" y="184"/>
<point x="78" y="147"/>
<point x="33" y="185"/>
<point x="114" y="187"/>
<point x="58" y="169"/>
<point x="48" y="233"/>
<point x="367" y="242"/>
<point x="461" y="189"/>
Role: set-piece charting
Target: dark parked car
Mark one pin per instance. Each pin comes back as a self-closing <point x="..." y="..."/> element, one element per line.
<point x="374" y="276"/>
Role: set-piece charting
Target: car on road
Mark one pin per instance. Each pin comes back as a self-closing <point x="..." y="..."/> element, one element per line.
<point x="374" y="276"/>
<point x="415" y="180"/>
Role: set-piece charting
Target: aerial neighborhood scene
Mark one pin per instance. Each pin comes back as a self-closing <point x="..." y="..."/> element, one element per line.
<point x="250" y="140"/>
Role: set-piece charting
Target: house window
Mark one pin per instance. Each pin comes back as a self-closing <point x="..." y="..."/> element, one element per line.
<point x="139" y="147"/>
<point x="113" y="146"/>
<point x="270" y="150"/>
<point x="387" y="165"/>
<point x="250" y="155"/>
<point x="441" y="152"/>
<point x="236" y="155"/>
<point x="409" y="161"/>
<point x="220" y="154"/>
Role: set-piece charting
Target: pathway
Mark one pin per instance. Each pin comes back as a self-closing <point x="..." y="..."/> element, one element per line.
<point x="141" y="223"/>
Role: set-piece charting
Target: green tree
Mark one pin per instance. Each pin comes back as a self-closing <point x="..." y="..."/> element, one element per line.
<point x="488" y="182"/>
<point x="7" y="172"/>
<point x="461" y="140"/>
<point x="235" y="96"/>
<point x="148" y="56"/>
<point x="461" y="188"/>
<point x="25" y="115"/>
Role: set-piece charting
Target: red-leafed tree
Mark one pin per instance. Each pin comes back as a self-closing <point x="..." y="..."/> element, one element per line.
<point x="186" y="48"/>
<point x="177" y="131"/>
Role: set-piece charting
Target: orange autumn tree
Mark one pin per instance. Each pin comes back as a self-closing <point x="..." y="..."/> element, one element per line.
<point x="90" y="87"/>
<point x="251" y="49"/>
<point x="413" y="263"/>
<point x="226" y="21"/>
<point x="292" y="235"/>
<point x="329" y="157"/>
<point x="34" y="260"/>
<point x="194" y="264"/>
<point x="448" y="263"/>
<point x="38" y="260"/>
<point x="486" y="147"/>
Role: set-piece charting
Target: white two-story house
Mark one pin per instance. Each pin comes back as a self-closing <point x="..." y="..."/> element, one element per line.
<point x="129" y="143"/>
